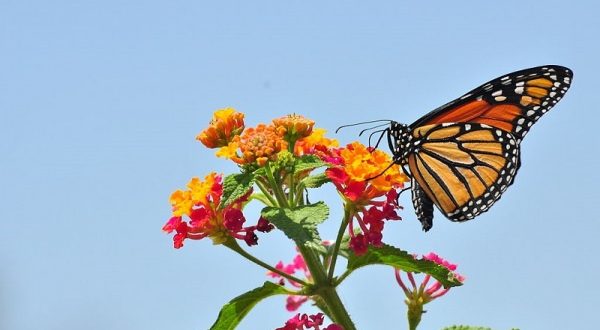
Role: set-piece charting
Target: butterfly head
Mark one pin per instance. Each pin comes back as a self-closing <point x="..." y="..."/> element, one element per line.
<point x="398" y="135"/>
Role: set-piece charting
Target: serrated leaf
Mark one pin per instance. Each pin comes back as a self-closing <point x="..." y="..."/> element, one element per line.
<point x="233" y="312"/>
<point x="392" y="256"/>
<point x="300" y="223"/>
<point x="236" y="186"/>
<point x="308" y="162"/>
<point x="315" y="181"/>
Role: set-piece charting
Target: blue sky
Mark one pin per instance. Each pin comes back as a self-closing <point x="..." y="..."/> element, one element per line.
<point x="100" y="102"/>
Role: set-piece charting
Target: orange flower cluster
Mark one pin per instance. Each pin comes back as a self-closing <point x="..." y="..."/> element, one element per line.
<point x="295" y="126"/>
<point x="225" y="125"/>
<point x="315" y="143"/>
<point x="362" y="164"/>
<point x="259" y="145"/>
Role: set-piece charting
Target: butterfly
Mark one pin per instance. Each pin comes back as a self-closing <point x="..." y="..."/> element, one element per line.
<point x="462" y="156"/>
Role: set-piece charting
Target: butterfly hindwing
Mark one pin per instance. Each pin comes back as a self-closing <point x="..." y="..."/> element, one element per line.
<point x="463" y="168"/>
<point x="513" y="102"/>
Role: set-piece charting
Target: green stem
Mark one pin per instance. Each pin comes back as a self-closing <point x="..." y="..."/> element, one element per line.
<point x="338" y="241"/>
<point x="336" y="308"/>
<point x="414" y="313"/>
<point x="291" y="189"/>
<point x="325" y="290"/>
<point x="276" y="186"/>
<point x="233" y="245"/>
<point x="342" y="277"/>
<point x="265" y="191"/>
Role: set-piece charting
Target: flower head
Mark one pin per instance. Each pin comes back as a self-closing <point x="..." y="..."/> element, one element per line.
<point x="294" y="127"/>
<point x="418" y="295"/>
<point x="259" y="144"/>
<point x="368" y="183"/>
<point x="199" y="204"/>
<point x="369" y="167"/>
<point x="316" y="143"/>
<point x="224" y="126"/>
<point x="300" y="321"/>
<point x="297" y="265"/>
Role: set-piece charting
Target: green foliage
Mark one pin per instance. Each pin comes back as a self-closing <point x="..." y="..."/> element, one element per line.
<point x="315" y="181"/>
<point x="233" y="312"/>
<point x="308" y="162"/>
<point x="236" y="186"/>
<point x="300" y="223"/>
<point x="392" y="256"/>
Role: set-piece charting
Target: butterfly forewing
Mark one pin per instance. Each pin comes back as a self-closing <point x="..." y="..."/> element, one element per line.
<point x="512" y="103"/>
<point x="462" y="167"/>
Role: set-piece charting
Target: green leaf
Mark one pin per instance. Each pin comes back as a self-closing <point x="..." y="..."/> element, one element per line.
<point x="315" y="181"/>
<point x="236" y="186"/>
<point x="262" y="198"/>
<point x="308" y="162"/>
<point x="234" y="311"/>
<point x="392" y="256"/>
<point x="300" y="223"/>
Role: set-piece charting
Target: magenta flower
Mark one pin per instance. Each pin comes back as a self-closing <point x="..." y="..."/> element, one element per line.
<point x="304" y="322"/>
<point x="425" y="292"/>
<point x="293" y="302"/>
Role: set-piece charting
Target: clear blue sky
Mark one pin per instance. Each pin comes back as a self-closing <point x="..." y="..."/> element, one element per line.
<point x="100" y="102"/>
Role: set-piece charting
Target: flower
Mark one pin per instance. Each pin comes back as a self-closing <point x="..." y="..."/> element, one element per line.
<point x="259" y="144"/>
<point x="363" y="176"/>
<point x="294" y="127"/>
<point x="224" y="126"/>
<point x="316" y="143"/>
<point x="300" y="321"/>
<point x="419" y="295"/>
<point x="200" y="205"/>
<point x="293" y="302"/>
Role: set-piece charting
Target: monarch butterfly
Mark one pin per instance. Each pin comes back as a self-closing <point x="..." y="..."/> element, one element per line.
<point x="463" y="155"/>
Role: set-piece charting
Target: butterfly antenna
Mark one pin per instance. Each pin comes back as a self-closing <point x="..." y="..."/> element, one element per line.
<point x="370" y="128"/>
<point x="382" y="131"/>
<point x="362" y="123"/>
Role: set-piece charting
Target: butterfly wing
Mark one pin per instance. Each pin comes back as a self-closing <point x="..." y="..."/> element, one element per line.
<point x="513" y="102"/>
<point x="463" y="168"/>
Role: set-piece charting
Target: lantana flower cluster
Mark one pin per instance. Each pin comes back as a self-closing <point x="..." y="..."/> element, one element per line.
<point x="304" y="321"/>
<point x="417" y="295"/>
<point x="199" y="204"/>
<point x="368" y="184"/>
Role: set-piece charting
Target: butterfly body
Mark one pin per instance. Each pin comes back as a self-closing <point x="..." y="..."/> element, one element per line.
<point x="463" y="155"/>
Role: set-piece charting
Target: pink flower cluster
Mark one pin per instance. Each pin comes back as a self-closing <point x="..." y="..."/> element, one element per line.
<point x="304" y="321"/>
<point x="297" y="265"/>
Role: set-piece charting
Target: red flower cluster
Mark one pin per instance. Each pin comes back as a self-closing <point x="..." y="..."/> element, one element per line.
<point x="371" y="223"/>
<point x="200" y="203"/>
<point x="300" y="321"/>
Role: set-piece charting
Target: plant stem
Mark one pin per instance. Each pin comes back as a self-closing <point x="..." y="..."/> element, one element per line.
<point x="338" y="242"/>
<point x="414" y="313"/>
<point x="265" y="191"/>
<point x="276" y="186"/>
<point x="325" y="290"/>
<point x="233" y="245"/>
<point x="342" y="277"/>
